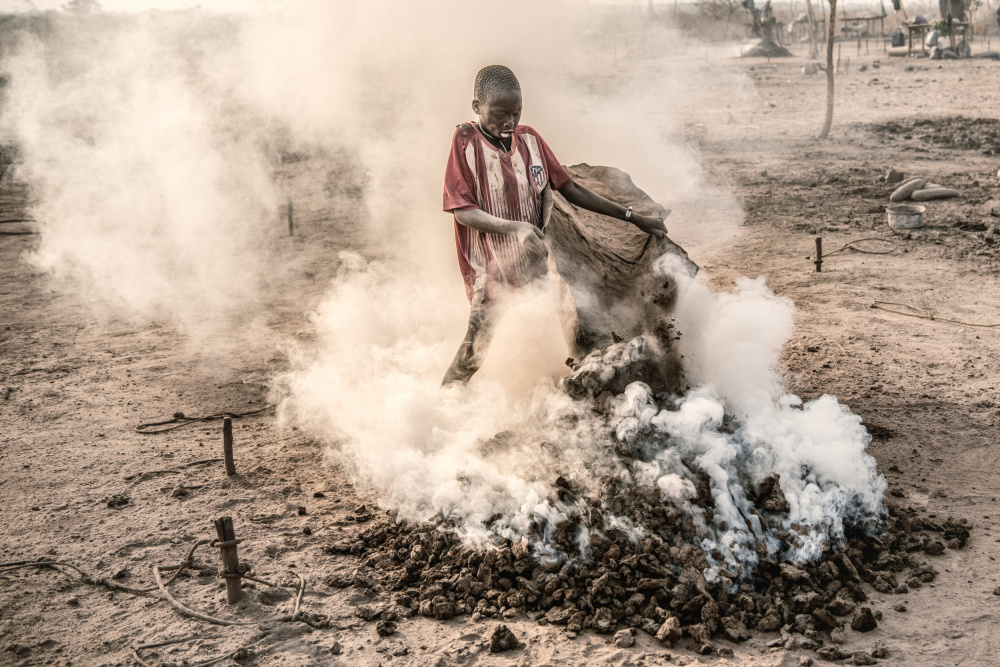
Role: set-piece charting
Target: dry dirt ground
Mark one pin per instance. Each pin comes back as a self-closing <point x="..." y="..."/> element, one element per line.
<point x="74" y="384"/>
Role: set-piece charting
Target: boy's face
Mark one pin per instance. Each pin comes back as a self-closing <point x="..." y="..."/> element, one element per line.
<point x="499" y="113"/>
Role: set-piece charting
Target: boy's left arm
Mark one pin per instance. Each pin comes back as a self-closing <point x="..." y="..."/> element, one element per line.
<point x="579" y="195"/>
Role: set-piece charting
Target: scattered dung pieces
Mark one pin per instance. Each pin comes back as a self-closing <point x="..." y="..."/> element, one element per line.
<point x="502" y="640"/>
<point x="179" y="491"/>
<point x="892" y="176"/>
<point x="625" y="638"/>
<point x="862" y="658"/>
<point x="956" y="132"/>
<point x="117" y="501"/>
<point x="880" y="651"/>
<point x="670" y="631"/>
<point x="367" y="612"/>
<point x="864" y="621"/>
<point x="833" y="654"/>
<point x="385" y="628"/>
<point x="655" y="583"/>
<point x="336" y="648"/>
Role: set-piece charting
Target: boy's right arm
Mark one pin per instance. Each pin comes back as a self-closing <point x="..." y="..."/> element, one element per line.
<point x="529" y="236"/>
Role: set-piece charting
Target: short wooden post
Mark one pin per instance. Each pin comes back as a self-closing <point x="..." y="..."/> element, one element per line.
<point x="230" y="560"/>
<point x="291" y="223"/>
<point x="819" y="254"/>
<point x="227" y="446"/>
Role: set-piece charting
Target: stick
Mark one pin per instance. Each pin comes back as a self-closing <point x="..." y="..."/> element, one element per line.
<point x="291" y="224"/>
<point x="825" y="132"/>
<point x="227" y="446"/>
<point x="819" y="254"/>
<point x="230" y="559"/>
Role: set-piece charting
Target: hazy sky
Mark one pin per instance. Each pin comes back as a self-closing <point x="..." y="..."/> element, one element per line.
<point x="133" y="5"/>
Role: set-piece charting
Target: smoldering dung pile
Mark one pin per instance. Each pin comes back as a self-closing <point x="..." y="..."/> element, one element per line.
<point x="628" y="557"/>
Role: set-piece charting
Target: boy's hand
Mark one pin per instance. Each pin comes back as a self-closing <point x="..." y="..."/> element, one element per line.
<point x="649" y="225"/>
<point x="530" y="238"/>
<point x="547" y="203"/>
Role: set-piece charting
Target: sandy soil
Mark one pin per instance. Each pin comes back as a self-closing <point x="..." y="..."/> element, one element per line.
<point x="73" y="385"/>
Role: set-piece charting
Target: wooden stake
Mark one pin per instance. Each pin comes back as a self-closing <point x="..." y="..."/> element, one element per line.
<point x="819" y="254"/>
<point x="291" y="224"/>
<point x="227" y="446"/>
<point x="230" y="560"/>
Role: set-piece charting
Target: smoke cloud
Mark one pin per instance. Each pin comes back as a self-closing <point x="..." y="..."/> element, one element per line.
<point x="153" y="143"/>
<point x="157" y="150"/>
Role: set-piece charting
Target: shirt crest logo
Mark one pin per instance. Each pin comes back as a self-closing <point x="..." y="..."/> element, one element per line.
<point x="538" y="175"/>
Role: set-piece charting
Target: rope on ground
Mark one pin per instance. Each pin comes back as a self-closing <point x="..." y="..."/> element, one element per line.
<point x="186" y="611"/>
<point x="242" y="653"/>
<point x="925" y="314"/>
<point x="101" y="581"/>
<point x="169" y="471"/>
<point x="180" y="420"/>
<point x="851" y="247"/>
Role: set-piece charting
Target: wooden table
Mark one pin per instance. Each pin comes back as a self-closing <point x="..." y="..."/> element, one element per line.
<point x="911" y="28"/>
<point x="869" y="22"/>
<point x="960" y="27"/>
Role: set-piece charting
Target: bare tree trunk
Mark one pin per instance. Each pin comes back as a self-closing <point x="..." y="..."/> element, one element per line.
<point x="813" y="49"/>
<point x="829" y="71"/>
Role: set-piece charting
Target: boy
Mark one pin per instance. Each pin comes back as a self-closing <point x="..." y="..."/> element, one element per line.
<point x="497" y="183"/>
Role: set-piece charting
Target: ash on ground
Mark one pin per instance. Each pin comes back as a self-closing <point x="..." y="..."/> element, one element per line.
<point x="627" y="558"/>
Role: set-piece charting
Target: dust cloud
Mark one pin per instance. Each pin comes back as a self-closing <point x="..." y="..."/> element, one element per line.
<point x="151" y="145"/>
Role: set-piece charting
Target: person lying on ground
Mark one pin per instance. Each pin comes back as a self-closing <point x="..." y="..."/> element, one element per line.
<point x="498" y="185"/>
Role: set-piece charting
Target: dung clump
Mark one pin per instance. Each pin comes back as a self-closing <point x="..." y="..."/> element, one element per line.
<point x="502" y="640"/>
<point x="634" y="559"/>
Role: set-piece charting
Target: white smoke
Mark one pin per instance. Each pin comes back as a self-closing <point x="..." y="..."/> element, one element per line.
<point x="151" y="146"/>
<point x="739" y="426"/>
<point x="152" y="142"/>
<point x="474" y="453"/>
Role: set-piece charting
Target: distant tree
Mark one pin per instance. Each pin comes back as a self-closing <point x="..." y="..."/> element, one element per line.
<point x="82" y="6"/>
<point x="719" y="10"/>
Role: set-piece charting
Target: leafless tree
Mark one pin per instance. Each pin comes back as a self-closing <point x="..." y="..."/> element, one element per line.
<point x="719" y="10"/>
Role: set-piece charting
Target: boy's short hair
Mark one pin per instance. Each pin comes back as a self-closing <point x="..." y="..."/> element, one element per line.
<point x="494" y="79"/>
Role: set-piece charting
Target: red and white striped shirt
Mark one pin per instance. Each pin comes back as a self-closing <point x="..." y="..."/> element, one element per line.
<point x="507" y="185"/>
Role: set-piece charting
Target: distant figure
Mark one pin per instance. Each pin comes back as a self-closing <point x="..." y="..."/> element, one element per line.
<point x="953" y="8"/>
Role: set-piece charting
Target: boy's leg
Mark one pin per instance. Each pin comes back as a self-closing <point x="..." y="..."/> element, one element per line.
<point x="483" y="319"/>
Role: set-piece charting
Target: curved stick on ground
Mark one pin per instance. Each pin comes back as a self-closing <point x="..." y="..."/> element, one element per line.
<point x="101" y="581"/>
<point x="298" y="597"/>
<point x="204" y="617"/>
